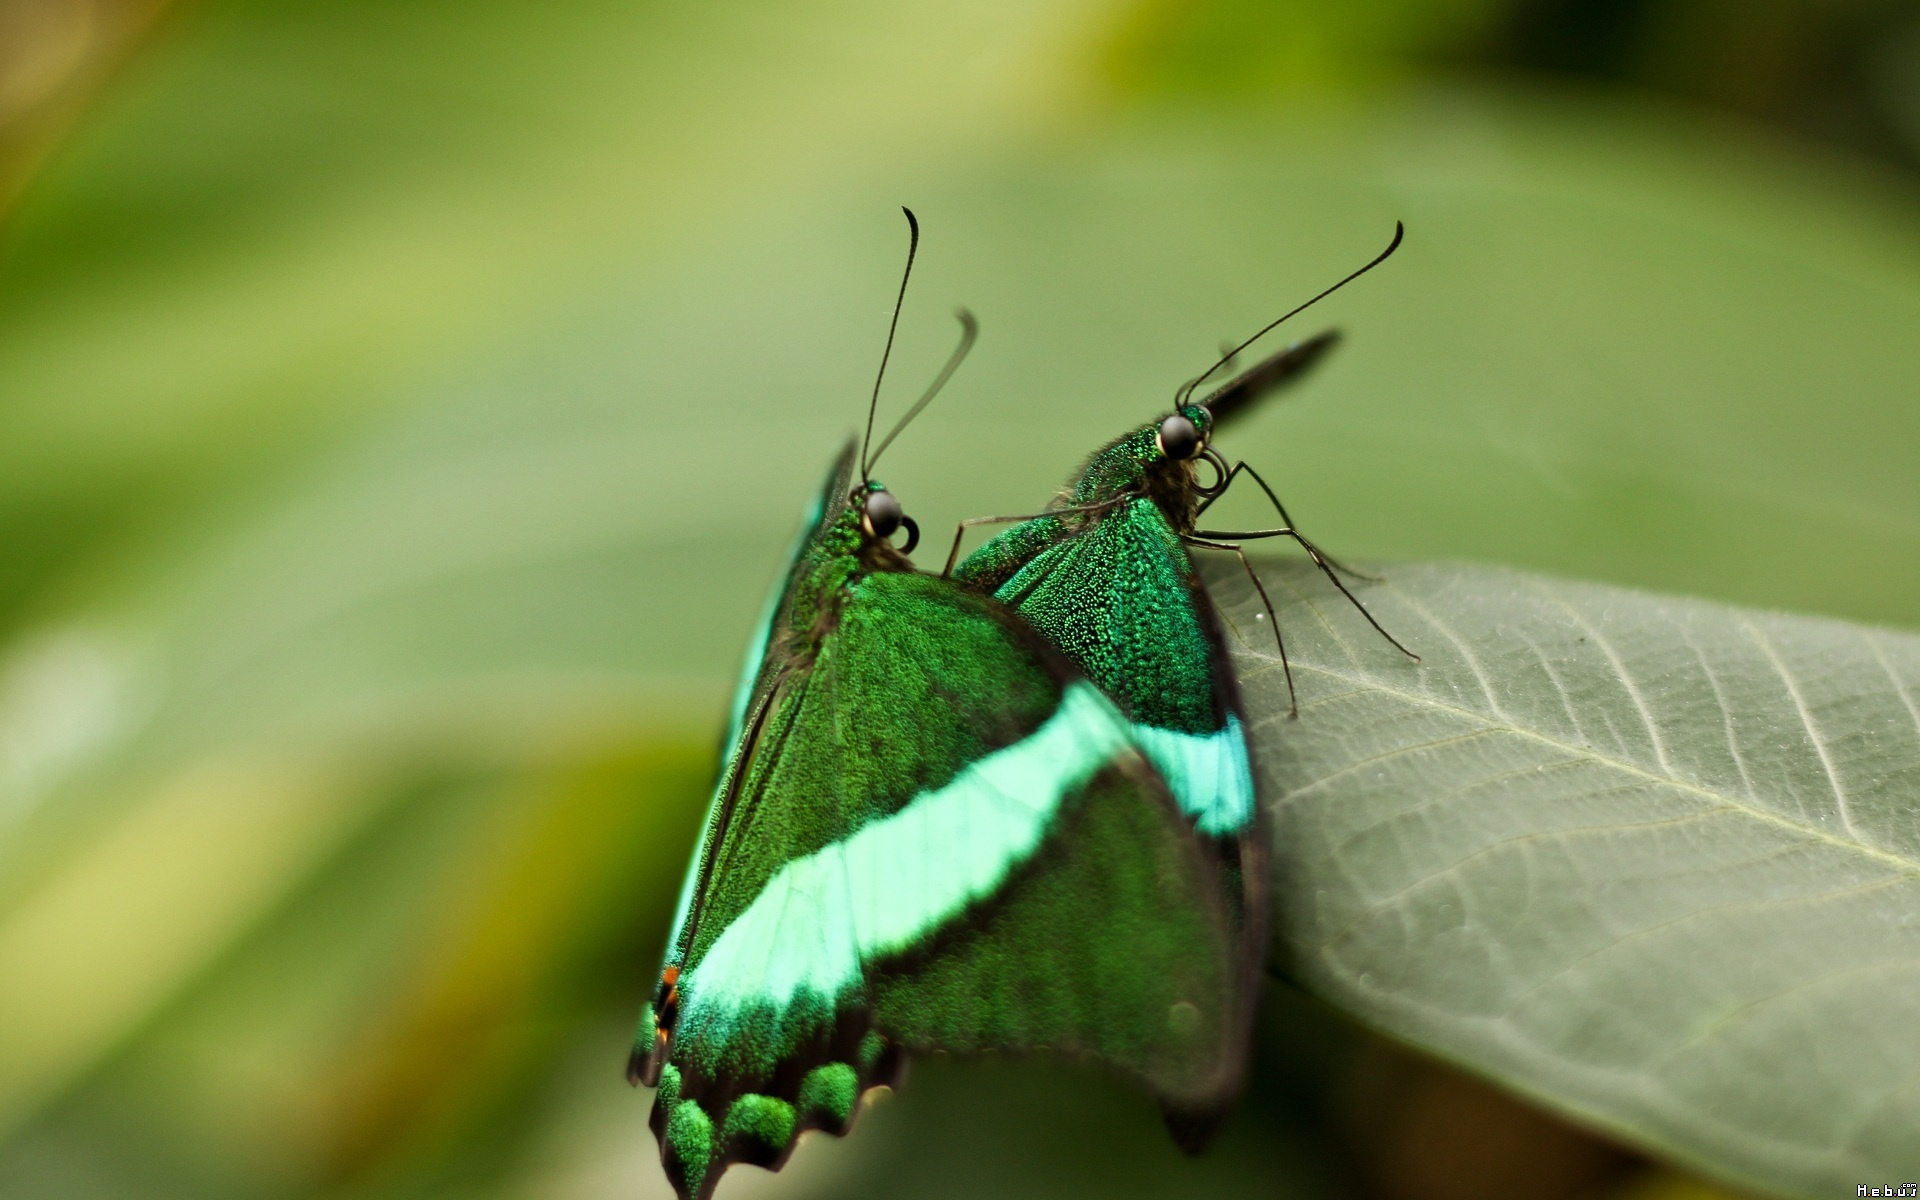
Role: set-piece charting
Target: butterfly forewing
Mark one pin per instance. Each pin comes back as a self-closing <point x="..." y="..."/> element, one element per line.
<point x="763" y="668"/>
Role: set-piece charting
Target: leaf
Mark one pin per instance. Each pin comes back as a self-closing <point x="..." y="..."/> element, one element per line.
<point x="1653" y="862"/>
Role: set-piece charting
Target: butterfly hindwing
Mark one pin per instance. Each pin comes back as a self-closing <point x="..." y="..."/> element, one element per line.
<point x="932" y="835"/>
<point x="1108" y="941"/>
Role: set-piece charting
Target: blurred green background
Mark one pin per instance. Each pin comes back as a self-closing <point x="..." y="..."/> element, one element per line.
<point x="404" y="406"/>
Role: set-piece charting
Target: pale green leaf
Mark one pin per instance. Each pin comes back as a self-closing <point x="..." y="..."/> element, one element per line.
<point x="1654" y="862"/>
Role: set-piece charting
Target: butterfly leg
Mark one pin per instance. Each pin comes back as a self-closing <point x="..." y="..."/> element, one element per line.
<point x="960" y="530"/>
<point x="1293" y="698"/>
<point x="1319" y="560"/>
<point x="1285" y="518"/>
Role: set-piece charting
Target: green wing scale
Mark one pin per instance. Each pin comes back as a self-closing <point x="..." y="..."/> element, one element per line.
<point x="930" y="834"/>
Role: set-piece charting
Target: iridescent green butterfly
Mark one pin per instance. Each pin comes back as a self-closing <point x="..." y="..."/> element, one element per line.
<point x="930" y="833"/>
<point x="1105" y="575"/>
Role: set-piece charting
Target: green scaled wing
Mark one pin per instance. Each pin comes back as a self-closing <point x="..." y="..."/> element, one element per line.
<point x="1113" y="587"/>
<point x="931" y="834"/>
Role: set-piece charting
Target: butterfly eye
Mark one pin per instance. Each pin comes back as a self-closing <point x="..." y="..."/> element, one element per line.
<point x="881" y="515"/>
<point x="1178" y="439"/>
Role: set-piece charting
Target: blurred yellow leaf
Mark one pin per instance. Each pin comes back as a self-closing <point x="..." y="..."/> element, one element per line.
<point x="151" y="901"/>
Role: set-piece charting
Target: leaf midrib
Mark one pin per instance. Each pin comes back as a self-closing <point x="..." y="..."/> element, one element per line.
<point x="1906" y="865"/>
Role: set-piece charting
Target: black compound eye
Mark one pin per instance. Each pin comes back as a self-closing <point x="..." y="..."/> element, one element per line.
<point x="881" y="515"/>
<point x="1178" y="439"/>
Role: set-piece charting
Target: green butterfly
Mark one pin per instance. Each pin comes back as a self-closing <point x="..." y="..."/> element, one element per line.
<point x="930" y="833"/>
<point x="1106" y="576"/>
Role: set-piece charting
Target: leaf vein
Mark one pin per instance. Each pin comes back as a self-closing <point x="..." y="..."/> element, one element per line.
<point x="1466" y="655"/>
<point x="1620" y="671"/>
<point x="1735" y="1013"/>
<point x="1387" y="755"/>
<point x="1806" y="719"/>
<point x="1466" y="789"/>
<point x="1754" y="811"/>
<point x="1518" y="839"/>
<point x="1711" y="910"/>
<point x="1899" y="684"/>
<point x="1726" y="712"/>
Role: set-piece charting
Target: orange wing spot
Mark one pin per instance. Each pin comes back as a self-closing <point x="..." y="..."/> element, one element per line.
<point x="670" y="976"/>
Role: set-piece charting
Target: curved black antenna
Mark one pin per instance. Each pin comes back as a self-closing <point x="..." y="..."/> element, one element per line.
<point x="1186" y="389"/>
<point x="913" y="245"/>
<point x="969" y="330"/>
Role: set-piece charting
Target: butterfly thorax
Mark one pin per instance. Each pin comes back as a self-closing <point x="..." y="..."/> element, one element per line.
<point x="1133" y="464"/>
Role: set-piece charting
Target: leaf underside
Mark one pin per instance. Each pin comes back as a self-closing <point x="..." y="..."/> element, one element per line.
<point x="1654" y="862"/>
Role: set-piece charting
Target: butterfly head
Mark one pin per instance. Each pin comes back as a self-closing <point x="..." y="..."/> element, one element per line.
<point x="1183" y="438"/>
<point x="1156" y="460"/>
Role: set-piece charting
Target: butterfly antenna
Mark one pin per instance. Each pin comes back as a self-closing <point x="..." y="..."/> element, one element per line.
<point x="969" y="330"/>
<point x="1186" y="389"/>
<point x="913" y="246"/>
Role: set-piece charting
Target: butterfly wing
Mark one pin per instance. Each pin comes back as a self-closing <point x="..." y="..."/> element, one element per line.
<point x="932" y="836"/>
<point x="1256" y="383"/>
<point x="1122" y="600"/>
<point x="1120" y="597"/>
